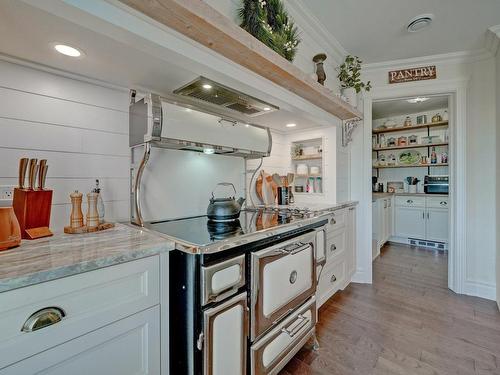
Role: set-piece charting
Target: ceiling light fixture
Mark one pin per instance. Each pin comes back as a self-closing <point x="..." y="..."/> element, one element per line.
<point x="208" y="150"/>
<point x="206" y="86"/>
<point x="417" y="100"/>
<point x="291" y="125"/>
<point x="266" y="109"/>
<point x="68" y="50"/>
<point x="419" y="23"/>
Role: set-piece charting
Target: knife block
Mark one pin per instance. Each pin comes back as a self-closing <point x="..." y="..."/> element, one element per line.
<point x="32" y="208"/>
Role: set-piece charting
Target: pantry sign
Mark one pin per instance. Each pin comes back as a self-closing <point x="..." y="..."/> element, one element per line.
<point x="412" y="74"/>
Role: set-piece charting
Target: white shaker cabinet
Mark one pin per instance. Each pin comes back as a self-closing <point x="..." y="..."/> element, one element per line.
<point x="410" y="222"/>
<point x="382" y="219"/>
<point x="127" y="347"/>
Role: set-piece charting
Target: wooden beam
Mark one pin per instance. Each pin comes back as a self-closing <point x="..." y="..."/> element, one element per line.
<point x="202" y="23"/>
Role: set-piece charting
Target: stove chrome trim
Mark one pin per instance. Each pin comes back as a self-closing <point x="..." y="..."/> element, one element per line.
<point x="209" y="295"/>
<point x="260" y="324"/>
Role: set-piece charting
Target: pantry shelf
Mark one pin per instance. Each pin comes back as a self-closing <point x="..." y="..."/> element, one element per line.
<point x="307" y="157"/>
<point x="412" y="166"/>
<point x="410" y="146"/>
<point x="409" y="128"/>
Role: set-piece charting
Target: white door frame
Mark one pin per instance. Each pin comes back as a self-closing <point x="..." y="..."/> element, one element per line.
<point x="457" y="91"/>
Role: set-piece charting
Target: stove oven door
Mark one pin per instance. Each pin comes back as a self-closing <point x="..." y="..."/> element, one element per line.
<point x="283" y="277"/>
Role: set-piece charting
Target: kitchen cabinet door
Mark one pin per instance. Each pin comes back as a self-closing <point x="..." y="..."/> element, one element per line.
<point x="390" y="218"/>
<point x="225" y="337"/>
<point x="351" y="242"/>
<point x="437" y="224"/>
<point x="129" y="346"/>
<point x="410" y="222"/>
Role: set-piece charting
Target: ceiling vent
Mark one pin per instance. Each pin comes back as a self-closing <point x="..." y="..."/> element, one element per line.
<point x="205" y="90"/>
<point x="420" y="22"/>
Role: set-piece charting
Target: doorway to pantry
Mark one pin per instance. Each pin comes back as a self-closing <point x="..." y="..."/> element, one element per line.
<point x="411" y="173"/>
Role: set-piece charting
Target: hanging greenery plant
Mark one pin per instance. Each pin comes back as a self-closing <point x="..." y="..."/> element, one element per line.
<point x="268" y="21"/>
<point x="350" y="74"/>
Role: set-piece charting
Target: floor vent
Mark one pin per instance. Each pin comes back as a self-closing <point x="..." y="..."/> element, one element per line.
<point x="429" y="244"/>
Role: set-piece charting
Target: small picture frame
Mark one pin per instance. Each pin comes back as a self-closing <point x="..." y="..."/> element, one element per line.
<point x="422" y="119"/>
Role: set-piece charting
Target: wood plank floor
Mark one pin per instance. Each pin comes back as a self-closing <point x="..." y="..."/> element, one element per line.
<point x="406" y="323"/>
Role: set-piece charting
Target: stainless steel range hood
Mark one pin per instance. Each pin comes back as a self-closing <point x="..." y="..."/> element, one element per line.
<point x="162" y="122"/>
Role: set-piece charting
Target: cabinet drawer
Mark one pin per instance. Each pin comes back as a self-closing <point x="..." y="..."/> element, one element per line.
<point x="437" y="202"/>
<point x="87" y="301"/>
<point x="336" y="244"/>
<point x="410" y="201"/>
<point x="337" y="220"/>
<point x="127" y="347"/>
<point x="331" y="280"/>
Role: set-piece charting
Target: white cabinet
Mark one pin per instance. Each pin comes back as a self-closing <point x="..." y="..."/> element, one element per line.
<point x="410" y="222"/>
<point x="437" y="224"/>
<point x="382" y="219"/>
<point x="340" y="265"/>
<point x="105" y="321"/>
<point x="422" y="218"/>
<point x="127" y="347"/>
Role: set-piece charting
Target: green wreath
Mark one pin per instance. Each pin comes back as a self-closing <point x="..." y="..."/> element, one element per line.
<point x="268" y="21"/>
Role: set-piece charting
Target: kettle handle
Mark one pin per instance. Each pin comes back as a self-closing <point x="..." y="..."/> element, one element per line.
<point x="223" y="184"/>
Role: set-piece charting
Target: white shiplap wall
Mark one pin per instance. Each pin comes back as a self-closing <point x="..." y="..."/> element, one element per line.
<point x="80" y="128"/>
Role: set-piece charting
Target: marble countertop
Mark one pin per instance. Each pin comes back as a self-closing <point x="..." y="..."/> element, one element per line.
<point x="317" y="206"/>
<point x="69" y="254"/>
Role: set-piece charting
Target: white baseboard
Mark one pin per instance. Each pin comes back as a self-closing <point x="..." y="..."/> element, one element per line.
<point x="479" y="289"/>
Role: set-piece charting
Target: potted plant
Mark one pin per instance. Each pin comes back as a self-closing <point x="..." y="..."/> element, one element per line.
<point x="349" y="75"/>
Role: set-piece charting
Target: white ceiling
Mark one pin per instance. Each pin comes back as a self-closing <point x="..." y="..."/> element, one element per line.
<point x="376" y="30"/>
<point x="27" y="32"/>
<point x="400" y="107"/>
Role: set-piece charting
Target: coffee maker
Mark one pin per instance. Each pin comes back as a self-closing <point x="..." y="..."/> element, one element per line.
<point x="377" y="187"/>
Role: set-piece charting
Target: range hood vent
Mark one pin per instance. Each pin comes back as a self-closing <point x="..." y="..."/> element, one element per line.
<point x="206" y="90"/>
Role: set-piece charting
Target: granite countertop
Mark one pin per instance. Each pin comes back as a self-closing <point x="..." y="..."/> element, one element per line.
<point x="68" y="254"/>
<point x="316" y="206"/>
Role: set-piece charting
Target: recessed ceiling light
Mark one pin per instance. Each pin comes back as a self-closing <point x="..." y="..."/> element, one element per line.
<point x="206" y="86"/>
<point x="417" y="100"/>
<point x="247" y="125"/>
<point x="208" y="150"/>
<point x="266" y="109"/>
<point x="419" y="23"/>
<point x="68" y="50"/>
<point x="291" y="125"/>
<point x="188" y="110"/>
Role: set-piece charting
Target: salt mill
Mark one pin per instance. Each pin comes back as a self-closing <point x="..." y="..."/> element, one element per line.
<point x="76" y="218"/>
<point x="92" y="214"/>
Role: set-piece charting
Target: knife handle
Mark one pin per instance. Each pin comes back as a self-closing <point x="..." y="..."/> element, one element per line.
<point x="43" y="176"/>
<point x="23" y="165"/>
<point x="41" y="180"/>
<point x="32" y="173"/>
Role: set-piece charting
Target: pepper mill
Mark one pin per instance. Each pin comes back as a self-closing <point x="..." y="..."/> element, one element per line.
<point x="76" y="218"/>
<point x="92" y="214"/>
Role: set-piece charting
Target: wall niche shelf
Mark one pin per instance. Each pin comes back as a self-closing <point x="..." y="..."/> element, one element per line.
<point x="308" y="153"/>
<point x="410" y="128"/>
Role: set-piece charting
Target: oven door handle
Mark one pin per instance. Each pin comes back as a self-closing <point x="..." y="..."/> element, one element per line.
<point x="295" y="250"/>
<point x="303" y="322"/>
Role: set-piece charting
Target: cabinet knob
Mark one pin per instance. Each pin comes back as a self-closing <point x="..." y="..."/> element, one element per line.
<point x="333" y="279"/>
<point x="333" y="247"/>
<point x="333" y="221"/>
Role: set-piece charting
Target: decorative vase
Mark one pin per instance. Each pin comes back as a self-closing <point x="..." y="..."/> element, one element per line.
<point x="320" y="71"/>
<point x="351" y="96"/>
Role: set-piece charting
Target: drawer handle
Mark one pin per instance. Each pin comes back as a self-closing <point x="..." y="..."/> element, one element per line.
<point x="333" y="248"/>
<point x="333" y="279"/>
<point x="293" y="277"/>
<point x="443" y="203"/>
<point x="293" y="332"/>
<point x="333" y="221"/>
<point x="43" y="318"/>
<point x="409" y="201"/>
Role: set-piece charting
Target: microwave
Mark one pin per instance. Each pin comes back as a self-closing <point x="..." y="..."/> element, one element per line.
<point x="436" y="184"/>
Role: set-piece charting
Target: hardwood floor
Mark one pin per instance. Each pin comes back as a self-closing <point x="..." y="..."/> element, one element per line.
<point x="406" y="323"/>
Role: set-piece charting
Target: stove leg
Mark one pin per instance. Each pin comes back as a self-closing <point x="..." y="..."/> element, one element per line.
<point x="314" y="345"/>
